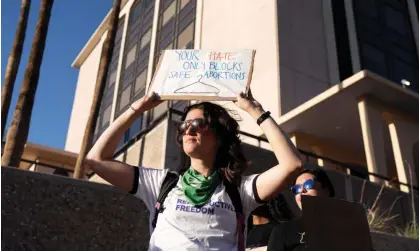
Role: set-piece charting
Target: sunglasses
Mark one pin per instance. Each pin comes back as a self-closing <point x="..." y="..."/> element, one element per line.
<point x="308" y="184"/>
<point x="195" y="125"/>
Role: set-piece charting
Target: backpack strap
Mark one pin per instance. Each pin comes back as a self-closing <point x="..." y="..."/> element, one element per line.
<point x="234" y="194"/>
<point x="168" y="184"/>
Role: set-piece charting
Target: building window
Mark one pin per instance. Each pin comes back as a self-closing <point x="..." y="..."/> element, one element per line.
<point x="106" y="106"/>
<point x="137" y="53"/>
<point x="179" y="105"/>
<point x="342" y="39"/>
<point x="112" y="79"/>
<point x="125" y="98"/>
<point x="183" y="3"/>
<point x="106" y="115"/>
<point x="130" y="56"/>
<point x="368" y="7"/>
<point x="146" y="39"/>
<point x="137" y="49"/>
<point x="169" y="13"/>
<point x="169" y="46"/>
<point x="176" y="30"/>
<point x="386" y="40"/>
<point x="374" y="59"/>
<point x="186" y="36"/>
<point x="395" y="20"/>
<point x="140" y="84"/>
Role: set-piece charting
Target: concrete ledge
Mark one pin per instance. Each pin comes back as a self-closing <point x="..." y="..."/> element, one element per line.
<point x="47" y="212"/>
<point x="388" y="242"/>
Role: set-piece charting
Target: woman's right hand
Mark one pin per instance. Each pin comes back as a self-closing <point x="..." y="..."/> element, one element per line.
<point x="147" y="102"/>
<point x="100" y="157"/>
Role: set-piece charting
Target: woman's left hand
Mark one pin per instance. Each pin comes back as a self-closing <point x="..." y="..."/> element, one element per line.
<point x="248" y="103"/>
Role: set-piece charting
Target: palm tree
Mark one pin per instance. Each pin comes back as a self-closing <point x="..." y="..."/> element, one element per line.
<point x="19" y="128"/>
<point x="99" y="88"/>
<point x="13" y="63"/>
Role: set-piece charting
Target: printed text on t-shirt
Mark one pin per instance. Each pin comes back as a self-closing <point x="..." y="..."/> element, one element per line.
<point x="185" y="206"/>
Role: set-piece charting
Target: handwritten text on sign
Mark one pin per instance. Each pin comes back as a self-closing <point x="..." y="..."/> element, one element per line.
<point x="192" y="73"/>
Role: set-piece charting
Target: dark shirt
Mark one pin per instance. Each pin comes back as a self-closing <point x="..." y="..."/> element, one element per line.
<point x="259" y="235"/>
<point x="288" y="236"/>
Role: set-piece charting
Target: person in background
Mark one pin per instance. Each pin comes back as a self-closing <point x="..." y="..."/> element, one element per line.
<point x="290" y="236"/>
<point x="262" y="226"/>
<point x="264" y="219"/>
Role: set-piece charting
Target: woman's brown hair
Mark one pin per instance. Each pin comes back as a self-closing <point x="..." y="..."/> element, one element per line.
<point x="230" y="158"/>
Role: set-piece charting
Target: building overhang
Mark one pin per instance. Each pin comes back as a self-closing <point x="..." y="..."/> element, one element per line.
<point x="48" y="155"/>
<point x="333" y="115"/>
<point x="94" y="39"/>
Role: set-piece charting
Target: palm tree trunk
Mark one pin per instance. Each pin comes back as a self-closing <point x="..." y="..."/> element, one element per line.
<point x="13" y="63"/>
<point x="19" y="128"/>
<point x="99" y="89"/>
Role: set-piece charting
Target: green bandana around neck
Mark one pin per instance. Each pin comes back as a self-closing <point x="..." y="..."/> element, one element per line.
<point x="198" y="188"/>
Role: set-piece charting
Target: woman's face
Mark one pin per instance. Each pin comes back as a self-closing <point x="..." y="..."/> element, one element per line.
<point x="317" y="190"/>
<point x="201" y="143"/>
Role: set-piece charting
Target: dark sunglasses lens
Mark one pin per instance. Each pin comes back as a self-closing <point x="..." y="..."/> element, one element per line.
<point x="195" y="125"/>
<point x="309" y="184"/>
<point x="181" y="129"/>
<point x="295" y="189"/>
<point x="193" y="128"/>
<point x="198" y="123"/>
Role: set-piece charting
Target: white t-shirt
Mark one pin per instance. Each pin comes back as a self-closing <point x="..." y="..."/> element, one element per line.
<point x="182" y="226"/>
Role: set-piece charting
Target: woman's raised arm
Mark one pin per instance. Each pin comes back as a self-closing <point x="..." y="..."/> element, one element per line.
<point x="274" y="180"/>
<point x="100" y="160"/>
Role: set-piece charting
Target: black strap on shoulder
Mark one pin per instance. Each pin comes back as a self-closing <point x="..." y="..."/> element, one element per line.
<point x="234" y="194"/>
<point x="168" y="184"/>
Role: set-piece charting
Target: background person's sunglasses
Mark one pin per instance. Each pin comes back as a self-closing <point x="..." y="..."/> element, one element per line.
<point x="196" y="125"/>
<point x="308" y="184"/>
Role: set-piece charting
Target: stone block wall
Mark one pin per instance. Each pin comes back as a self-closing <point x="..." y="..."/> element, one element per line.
<point x="47" y="212"/>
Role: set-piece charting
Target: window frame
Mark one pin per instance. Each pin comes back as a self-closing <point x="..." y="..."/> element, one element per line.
<point x="108" y="94"/>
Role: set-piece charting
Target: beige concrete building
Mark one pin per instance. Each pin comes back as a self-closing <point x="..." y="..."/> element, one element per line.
<point x="341" y="77"/>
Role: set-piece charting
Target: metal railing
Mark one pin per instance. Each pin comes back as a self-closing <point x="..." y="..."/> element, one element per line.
<point x="347" y="167"/>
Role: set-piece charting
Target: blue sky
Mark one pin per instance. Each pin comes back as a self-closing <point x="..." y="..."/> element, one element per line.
<point x="71" y="24"/>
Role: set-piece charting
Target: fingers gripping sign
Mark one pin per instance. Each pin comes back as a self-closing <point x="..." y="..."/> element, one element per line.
<point x="146" y="103"/>
<point x="246" y="102"/>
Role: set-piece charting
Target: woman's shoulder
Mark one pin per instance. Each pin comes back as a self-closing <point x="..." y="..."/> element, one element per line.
<point x="151" y="172"/>
<point x="147" y="175"/>
<point x="153" y="169"/>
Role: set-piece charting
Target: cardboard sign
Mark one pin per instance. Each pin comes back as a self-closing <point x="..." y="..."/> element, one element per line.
<point x="203" y="74"/>
<point x="332" y="224"/>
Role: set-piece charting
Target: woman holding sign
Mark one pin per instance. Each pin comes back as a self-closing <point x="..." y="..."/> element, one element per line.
<point x="205" y="207"/>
